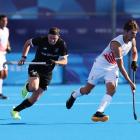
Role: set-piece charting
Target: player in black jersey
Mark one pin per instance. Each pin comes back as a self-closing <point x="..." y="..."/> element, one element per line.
<point x="50" y="49"/>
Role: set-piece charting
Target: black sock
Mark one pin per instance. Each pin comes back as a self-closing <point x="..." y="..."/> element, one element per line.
<point x="23" y="105"/>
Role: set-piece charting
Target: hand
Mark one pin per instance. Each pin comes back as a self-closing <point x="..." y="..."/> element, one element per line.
<point x="8" y="50"/>
<point x="134" y="65"/>
<point x="21" y="62"/>
<point x="133" y="86"/>
<point x="50" y="61"/>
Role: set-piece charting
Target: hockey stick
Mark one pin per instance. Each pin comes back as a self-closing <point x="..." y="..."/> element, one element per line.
<point x="26" y="63"/>
<point x="133" y="93"/>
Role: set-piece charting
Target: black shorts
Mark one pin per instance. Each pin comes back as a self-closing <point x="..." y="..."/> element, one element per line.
<point x="44" y="78"/>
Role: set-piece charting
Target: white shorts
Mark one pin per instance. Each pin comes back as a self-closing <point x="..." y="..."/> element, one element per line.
<point x="2" y="60"/>
<point x="99" y="72"/>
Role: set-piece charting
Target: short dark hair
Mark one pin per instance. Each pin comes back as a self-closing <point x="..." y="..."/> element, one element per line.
<point x="131" y="25"/>
<point x="2" y="16"/>
<point x="54" y="31"/>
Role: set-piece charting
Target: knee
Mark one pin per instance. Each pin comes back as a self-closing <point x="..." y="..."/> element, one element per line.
<point x="111" y="91"/>
<point x="33" y="88"/>
<point x="111" y="88"/>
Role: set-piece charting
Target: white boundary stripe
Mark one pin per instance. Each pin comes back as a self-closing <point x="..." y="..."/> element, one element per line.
<point x="79" y="104"/>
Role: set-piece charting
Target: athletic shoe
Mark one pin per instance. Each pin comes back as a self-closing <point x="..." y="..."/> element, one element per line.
<point x="70" y="102"/>
<point x="15" y="115"/>
<point x="3" y="97"/>
<point x="99" y="116"/>
<point x="24" y="91"/>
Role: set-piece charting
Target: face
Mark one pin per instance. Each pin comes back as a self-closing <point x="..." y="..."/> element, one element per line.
<point x="3" y="22"/>
<point x="131" y="34"/>
<point x="52" y="39"/>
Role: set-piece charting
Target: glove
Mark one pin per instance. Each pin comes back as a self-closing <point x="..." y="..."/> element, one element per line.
<point x="134" y="65"/>
<point x="50" y="61"/>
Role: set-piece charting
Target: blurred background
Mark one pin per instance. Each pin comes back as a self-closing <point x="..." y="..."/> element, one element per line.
<point x="87" y="26"/>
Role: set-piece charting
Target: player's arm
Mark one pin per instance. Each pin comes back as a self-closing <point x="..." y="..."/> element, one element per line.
<point x="134" y="55"/>
<point x="63" y="60"/>
<point x="26" y="49"/>
<point x="8" y="50"/>
<point x="117" y="51"/>
<point x="134" y="50"/>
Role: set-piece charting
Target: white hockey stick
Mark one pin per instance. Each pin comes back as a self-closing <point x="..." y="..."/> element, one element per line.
<point x="25" y="63"/>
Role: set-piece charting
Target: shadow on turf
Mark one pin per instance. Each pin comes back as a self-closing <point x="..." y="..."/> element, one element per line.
<point x="14" y="124"/>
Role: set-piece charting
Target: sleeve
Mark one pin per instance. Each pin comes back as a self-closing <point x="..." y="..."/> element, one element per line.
<point x="36" y="41"/>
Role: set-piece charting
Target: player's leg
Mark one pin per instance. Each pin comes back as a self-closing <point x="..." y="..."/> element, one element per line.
<point x="41" y="82"/>
<point x="111" y="83"/>
<point x="85" y="90"/>
<point x="33" y="86"/>
<point x="43" y="85"/>
<point x="29" y="101"/>
<point x="94" y="76"/>
<point x="30" y="86"/>
<point x="26" y="103"/>
<point x="99" y="115"/>
<point x="3" y="75"/>
<point x="36" y="96"/>
<point x="33" y="82"/>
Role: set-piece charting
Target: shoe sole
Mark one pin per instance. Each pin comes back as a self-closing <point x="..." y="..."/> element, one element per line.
<point x="101" y="119"/>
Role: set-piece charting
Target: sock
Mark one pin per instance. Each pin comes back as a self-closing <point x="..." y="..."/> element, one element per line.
<point x="104" y="102"/>
<point x="23" y="105"/>
<point x="76" y="93"/>
<point x="1" y="84"/>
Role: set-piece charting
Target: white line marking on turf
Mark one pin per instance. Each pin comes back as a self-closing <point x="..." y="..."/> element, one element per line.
<point x="79" y="104"/>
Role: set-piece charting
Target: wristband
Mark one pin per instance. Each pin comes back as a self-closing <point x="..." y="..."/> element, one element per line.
<point x="24" y="57"/>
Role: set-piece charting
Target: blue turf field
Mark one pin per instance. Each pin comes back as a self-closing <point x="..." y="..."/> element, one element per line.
<point x="48" y="119"/>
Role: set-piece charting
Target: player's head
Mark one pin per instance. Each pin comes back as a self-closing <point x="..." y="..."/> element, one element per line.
<point x="3" y="21"/>
<point x="53" y="35"/>
<point x="131" y="28"/>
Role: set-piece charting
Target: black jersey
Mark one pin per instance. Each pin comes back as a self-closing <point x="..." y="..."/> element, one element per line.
<point x="46" y="52"/>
